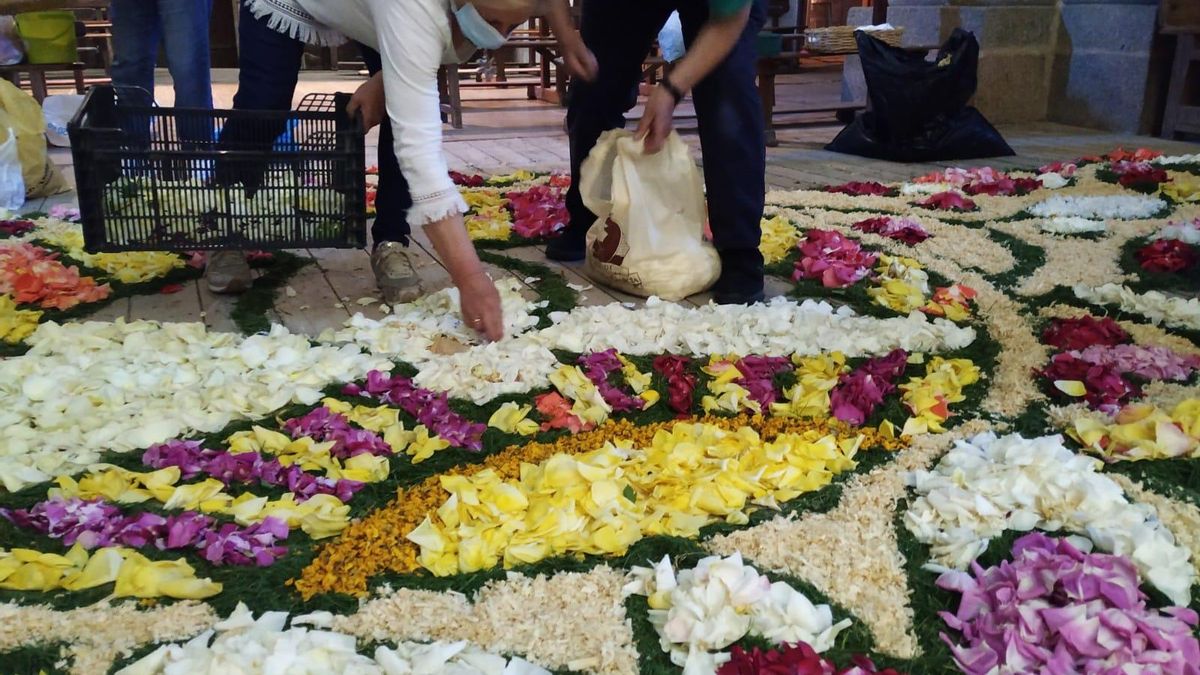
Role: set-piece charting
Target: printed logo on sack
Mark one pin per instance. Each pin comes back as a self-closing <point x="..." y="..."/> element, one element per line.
<point x="610" y="249"/>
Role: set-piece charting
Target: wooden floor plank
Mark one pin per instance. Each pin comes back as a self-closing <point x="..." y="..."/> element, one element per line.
<point x="348" y="272"/>
<point x="182" y="306"/>
<point x="307" y="304"/>
<point x="117" y="309"/>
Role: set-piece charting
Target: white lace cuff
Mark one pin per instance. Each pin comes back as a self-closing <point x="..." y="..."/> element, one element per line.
<point x="289" y="18"/>
<point x="430" y="208"/>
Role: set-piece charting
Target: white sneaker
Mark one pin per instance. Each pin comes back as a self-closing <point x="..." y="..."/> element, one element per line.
<point x="228" y="272"/>
<point x="395" y="274"/>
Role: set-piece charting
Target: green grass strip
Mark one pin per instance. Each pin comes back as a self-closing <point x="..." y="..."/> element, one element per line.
<point x="250" y="310"/>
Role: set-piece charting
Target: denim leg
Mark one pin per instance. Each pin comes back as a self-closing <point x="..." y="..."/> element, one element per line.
<point x="730" y="117"/>
<point x="185" y="40"/>
<point x="269" y="69"/>
<point x="619" y="33"/>
<point x="269" y="66"/>
<point x="393" y="198"/>
<point x="136" y="33"/>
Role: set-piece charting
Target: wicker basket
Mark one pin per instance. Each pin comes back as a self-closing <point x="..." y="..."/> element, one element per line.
<point x="840" y="39"/>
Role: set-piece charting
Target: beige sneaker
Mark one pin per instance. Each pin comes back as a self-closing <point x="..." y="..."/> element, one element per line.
<point x="228" y="272"/>
<point x="395" y="274"/>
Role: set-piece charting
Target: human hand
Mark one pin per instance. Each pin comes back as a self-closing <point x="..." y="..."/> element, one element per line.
<point x="480" y="303"/>
<point x="370" y="101"/>
<point x="656" y="120"/>
<point x="580" y="61"/>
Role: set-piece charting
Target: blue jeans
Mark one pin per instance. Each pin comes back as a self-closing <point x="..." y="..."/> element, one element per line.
<point x="728" y="109"/>
<point x="269" y="69"/>
<point x="182" y="26"/>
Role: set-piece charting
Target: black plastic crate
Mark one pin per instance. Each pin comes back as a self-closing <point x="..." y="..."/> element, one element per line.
<point x="179" y="179"/>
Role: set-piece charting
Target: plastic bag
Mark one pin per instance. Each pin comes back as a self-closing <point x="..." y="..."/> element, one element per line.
<point x="12" y="50"/>
<point x="22" y="114"/>
<point x="58" y="111"/>
<point x="670" y="39"/>
<point x="648" y="235"/>
<point x="917" y="109"/>
<point x="12" y="183"/>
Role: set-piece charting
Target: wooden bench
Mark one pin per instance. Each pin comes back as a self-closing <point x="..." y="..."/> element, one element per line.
<point x="1182" y="18"/>
<point x="37" y="76"/>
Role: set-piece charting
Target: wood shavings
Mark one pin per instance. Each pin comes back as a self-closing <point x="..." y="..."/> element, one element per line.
<point x="571" y="620"/>
<point x="100" y="633"/>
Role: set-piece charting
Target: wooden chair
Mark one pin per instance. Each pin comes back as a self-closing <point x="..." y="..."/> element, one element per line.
<point x="1182" y="17"/>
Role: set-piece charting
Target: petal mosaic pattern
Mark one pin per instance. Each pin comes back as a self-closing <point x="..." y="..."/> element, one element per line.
<point x="976" y="416"/>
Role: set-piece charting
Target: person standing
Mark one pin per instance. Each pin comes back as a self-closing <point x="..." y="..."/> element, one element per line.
<point x="138" y="26"/>
<point x="413" y="38"/>
<point x="718" y="69"/>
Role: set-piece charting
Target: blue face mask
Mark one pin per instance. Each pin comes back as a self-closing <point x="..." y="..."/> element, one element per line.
<point x="473" y="26"/>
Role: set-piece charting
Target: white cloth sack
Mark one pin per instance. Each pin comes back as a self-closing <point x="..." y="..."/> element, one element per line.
<point x="12" y="182"/>
<point x="12" y="49"/>
<point x="648" y="236"/>
<point x="58" y="111"/>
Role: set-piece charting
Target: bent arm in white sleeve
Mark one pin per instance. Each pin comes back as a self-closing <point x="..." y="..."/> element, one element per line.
<point x="411" y="37"/>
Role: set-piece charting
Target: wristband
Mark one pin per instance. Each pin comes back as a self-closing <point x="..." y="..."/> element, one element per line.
<point x="666" y="83"/>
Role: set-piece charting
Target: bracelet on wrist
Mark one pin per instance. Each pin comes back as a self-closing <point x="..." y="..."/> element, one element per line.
<point x="674" y="91"/>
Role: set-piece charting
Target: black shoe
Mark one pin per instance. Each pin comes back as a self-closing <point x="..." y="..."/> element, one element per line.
<point x="567" y="248"/>
<point x="734" y="298"/>
<point x="741" y="280"/>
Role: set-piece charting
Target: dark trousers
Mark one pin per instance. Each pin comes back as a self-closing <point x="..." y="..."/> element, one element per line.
<point x="620" y="33"/>
<point x="270" y="67"/>
<point x="393" y="200"/>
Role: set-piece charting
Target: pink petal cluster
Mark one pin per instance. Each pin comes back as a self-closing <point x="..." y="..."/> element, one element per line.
<point x="1064" y="169"/>
<point x="539" y="211"/>
<point x="322" y="425"/>
<point x="1131" y="173"/>
<point x="906" y="230"/>
<point x="429" y="408"/>
<point x="464" y="180"/>
<point x="1151" y="363"/>
<point x="860" y="391"/>
<point x="1106" y="388"/>
<point x="598" y="366"/>
<point x="861" y="189"/>
<point x="64" y="212"/>
<point x="948" y="201"/>
<point x="1084" y="331"/>
<point x="96" y="523"/>
<point x="835" y="259"/>
<point x="245" y="468"/>
<point x="794" y="659"/>
<point x="1167" y="256"/>
<point x="33" y="275"/>
<point x="680" y="383"/>
<point x="15" y="228"/>
<point x="758" y="376"/>
<point x="1055" y="609"/>
<point x="982" y="181"/>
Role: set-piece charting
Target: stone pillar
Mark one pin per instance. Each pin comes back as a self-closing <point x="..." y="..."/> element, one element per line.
<point x="1016" y="43"/>
<point x="1103" y="65"/>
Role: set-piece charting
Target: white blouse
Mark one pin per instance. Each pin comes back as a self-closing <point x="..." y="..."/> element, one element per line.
<point x="411" y="36"/>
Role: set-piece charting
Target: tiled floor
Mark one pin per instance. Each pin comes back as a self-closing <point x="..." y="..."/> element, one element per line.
<point x="503" y="134"/>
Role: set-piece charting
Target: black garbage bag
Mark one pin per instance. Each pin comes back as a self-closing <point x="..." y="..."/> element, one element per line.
<point x="917" y="109"/>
